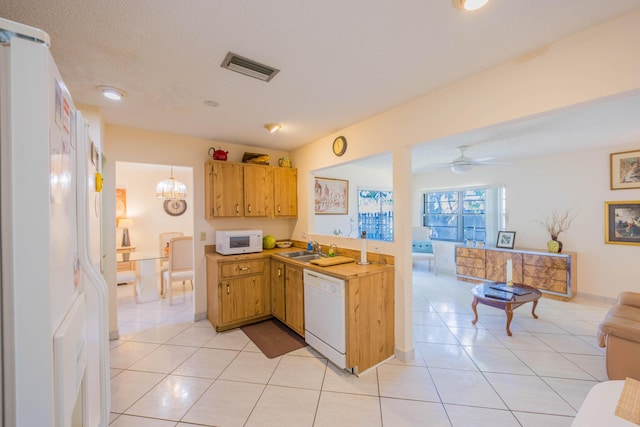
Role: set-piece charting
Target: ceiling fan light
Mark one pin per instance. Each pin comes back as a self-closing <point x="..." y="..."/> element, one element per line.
<point x="461" y="168"/>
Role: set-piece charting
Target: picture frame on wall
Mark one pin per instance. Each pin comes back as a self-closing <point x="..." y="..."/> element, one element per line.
<point x="331" y="196"/>
<point x="625" y="170"/>
<point x="622" y="222"/>
<point x="506" y="239"/>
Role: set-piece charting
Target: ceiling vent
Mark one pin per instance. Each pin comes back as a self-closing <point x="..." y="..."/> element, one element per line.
<point x="248" y="67"/>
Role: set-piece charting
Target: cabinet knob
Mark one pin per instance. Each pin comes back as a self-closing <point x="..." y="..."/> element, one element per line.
<point x="228" y="290"/>
<point x="279" y="272"/>
<point x="237" y="208"/>
<point x="278" y="208"/>
<point x="249" y="207"/>
<point x="244" y="268"/>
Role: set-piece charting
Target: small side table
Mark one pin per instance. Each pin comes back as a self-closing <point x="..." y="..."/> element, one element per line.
<point x="480" y="297"/>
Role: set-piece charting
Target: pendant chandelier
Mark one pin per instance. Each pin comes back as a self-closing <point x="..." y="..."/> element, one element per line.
<point x="170" y="189"/>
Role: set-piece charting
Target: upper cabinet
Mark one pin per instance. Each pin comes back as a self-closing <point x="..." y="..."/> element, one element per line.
<point x="246" y="190"/>
<point x="285" y="191"/>
<point x="258" y="190"/>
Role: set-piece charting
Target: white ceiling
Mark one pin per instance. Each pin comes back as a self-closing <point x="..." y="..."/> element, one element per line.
<point x="340" y="61"/>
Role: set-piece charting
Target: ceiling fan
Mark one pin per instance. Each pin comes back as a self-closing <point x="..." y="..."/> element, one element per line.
<point x="464" y="164"/>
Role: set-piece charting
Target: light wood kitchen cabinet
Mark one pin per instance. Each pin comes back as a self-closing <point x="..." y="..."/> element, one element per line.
<point x="370" y="319"/>
<point x="277" y="290"/>
<point x="238" y="292"/>
<point x="287" y="295"/>
<point x="294" y="298"/>
<point x="553" y="274"/>
<point x="258" y="190"/>
<point x="247" y="190"/>
<point x="224" y="183"/>
<point x="285" y="191"/>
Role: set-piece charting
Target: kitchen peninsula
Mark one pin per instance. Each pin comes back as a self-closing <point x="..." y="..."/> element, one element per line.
<point x="244" y="289"/>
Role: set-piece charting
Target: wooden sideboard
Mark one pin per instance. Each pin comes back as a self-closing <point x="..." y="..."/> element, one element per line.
<point x="553" y="274"/>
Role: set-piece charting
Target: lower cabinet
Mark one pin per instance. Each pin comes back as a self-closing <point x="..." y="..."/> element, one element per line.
<point x="238" y="292"/>
<point x="287" y="295"/>
<point x="553" y="274"/>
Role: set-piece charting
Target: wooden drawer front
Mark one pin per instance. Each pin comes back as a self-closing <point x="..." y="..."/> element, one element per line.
<point x="235" y="269"/>
<point x="469" y="253"/>
<point x="471" y="262"/>
<point x="545" y="278"/>
<point x="547" y="284"/>
<point x="545" y="261"/>
<point x="470" y="271"/>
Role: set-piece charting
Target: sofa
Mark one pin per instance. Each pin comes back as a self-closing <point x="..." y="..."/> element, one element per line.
<point x="422" y="247"/>
<point x="619" y="332"/>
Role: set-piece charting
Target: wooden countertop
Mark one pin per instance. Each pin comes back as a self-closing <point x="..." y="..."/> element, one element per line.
<point x="343" y="271"/>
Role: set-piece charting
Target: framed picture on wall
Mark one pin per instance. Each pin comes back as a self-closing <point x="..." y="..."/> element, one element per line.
<point x="625" y="170"/>
<point x="622" y="222"/>
<point x="331" y="196"/>
<point x="506" y="239"/>
<point x="121" y="203"/>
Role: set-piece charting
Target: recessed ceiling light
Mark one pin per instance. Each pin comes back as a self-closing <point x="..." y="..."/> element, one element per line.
<point x="469" y="4"/>
<point x="273" y="127"/>
<point x="211" y="103"/>
<point x="112" y="93"/>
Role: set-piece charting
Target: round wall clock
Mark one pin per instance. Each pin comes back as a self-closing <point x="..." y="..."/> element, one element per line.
<point x="175" y="207"/>
<point x="339" y="145"/>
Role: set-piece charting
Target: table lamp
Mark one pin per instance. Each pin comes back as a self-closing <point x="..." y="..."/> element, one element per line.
<point x="125" y="223"/>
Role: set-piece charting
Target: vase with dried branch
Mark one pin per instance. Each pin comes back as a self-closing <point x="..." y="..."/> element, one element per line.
<point x="556" y="224"/>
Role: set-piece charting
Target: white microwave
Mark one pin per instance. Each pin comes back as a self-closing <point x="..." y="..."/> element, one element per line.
<point x="231" y="242"/>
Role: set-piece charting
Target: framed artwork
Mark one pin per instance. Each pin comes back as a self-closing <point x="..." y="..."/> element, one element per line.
<point x="121" y="203"/>
<point x="506" y="239"/>
<point x="331" y="196"/>
<point x="622" y="222"/>
<point x="625" y="170"/>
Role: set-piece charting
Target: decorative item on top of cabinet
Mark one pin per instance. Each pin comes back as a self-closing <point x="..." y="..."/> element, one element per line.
<point x="556" y="224"/>
<point x="218" y="154"/>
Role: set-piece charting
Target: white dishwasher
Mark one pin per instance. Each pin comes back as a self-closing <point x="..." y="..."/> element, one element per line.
<point x="324" y="316"/>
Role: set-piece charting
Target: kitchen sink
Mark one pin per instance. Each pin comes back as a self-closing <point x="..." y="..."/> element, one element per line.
<point x="306" y="258"/>
<point x="297" y="254"/>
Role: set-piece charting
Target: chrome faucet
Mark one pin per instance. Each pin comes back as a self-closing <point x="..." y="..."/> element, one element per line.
<point x="315" y="244"/>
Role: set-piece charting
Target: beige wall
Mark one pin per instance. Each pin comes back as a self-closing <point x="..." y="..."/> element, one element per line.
<point x="596" y="63"/>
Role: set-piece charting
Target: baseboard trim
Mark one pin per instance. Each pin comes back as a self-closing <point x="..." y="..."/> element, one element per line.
<point x="199" y="316"/>
<point x="405" y="356"/>
<point x="114" y="335"/>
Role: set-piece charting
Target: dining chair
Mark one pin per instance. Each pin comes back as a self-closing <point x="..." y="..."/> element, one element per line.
<point x="164" y="242"/>
<point x="180" y="265"/>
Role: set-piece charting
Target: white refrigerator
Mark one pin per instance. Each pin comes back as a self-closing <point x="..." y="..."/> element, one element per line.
<point x="55" y="350"/>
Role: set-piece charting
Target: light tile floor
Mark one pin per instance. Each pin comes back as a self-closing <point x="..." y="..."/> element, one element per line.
<point x="169" y="371"/>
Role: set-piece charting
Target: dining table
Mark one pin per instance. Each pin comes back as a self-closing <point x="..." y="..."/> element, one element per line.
<point x="148" y="282"/>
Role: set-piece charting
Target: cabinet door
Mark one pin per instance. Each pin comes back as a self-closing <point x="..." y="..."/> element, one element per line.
<point x="243" y="298"/>
<point x="285" y="190"/>
<point x="277" y="290"/>
<point x="258" y="190"/>
<point x="496" y="266"/>
<point x="294" y="299"/>
<point x="226" y="189"/>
